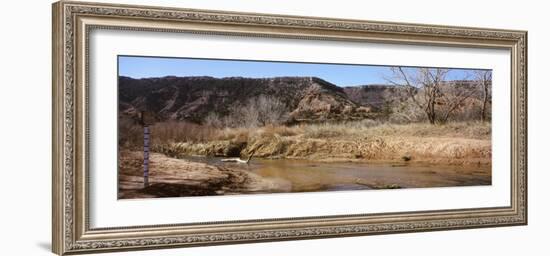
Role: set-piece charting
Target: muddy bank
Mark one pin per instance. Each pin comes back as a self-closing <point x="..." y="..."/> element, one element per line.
<point x="433" y="150"/>
<point x="169" y="177"/>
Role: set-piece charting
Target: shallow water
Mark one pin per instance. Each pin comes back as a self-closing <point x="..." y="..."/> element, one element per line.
<point x="306" y="176"/>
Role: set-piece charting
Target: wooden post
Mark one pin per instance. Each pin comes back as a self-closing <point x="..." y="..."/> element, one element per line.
<point x="145" y="155"/>
<point x="146" y="120"/>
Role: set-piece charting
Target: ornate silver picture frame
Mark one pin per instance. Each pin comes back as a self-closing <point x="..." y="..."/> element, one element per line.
<point x="72" y="208"/>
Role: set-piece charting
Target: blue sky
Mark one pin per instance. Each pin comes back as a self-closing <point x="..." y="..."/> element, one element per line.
<point x="339" y="74"/>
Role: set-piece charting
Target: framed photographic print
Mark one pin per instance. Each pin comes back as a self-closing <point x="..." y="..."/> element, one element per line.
<point x="179" y="127"/>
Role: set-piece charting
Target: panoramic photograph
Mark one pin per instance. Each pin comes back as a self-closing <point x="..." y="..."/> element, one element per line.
<point x="214" y="127"/>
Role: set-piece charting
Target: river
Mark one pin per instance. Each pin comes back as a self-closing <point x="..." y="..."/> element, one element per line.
<point x="309" y="176"/>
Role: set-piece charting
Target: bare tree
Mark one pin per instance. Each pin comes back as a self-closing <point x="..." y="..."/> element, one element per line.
<point x="430" y="91"/>
<point x="454" y="94"/>
<point x="270" y="110"/>
<point x="213" y="119"/>
<point x="484" y="80"/>
<point x="406" y="112"/>
<point x="260" y="111"/>
<point x="248" y="114"/>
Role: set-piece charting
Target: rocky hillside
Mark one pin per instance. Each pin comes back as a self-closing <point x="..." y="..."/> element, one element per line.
<point x="376" y="96"/>
<point x="194" y="98"/>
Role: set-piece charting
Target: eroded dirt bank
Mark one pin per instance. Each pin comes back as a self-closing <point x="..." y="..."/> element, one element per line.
<point x="170" y="177"/>
<point x="433" y="150"/>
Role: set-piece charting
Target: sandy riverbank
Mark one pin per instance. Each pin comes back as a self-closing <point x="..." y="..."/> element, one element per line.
<point x="170" y="177"/>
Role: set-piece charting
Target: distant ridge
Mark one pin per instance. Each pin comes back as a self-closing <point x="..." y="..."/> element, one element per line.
<point x="193" y="98"/>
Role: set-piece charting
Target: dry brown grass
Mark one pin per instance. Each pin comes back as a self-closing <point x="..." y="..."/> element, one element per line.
<point x="361" y="129"/>
<point x="131" y="133"/>
<point x="458" y="143"/>
<point x="243" y="134"/>
<point x="232" y="134"/>
<point x="282" y="130"/>
<point x="181" y="132"/>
